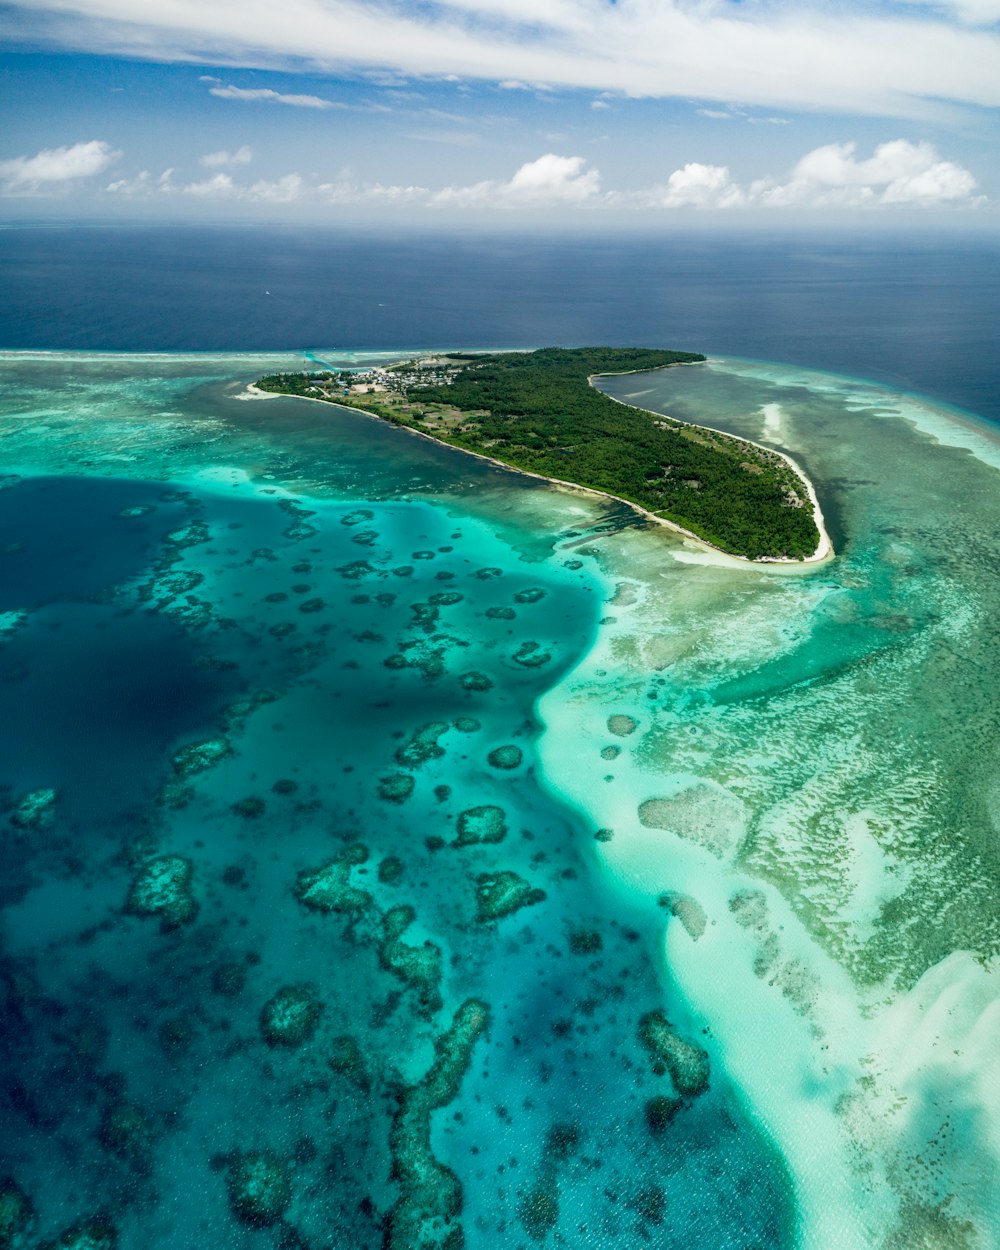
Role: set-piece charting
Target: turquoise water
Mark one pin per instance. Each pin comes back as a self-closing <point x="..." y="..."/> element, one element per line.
<point x="274" y="672"/>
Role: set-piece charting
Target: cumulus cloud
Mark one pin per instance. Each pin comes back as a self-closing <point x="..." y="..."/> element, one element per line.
<point x="550" y="179"/>
<point x="223" y="160"/>
<point x="218" y="187"/>
<point x="899" y="60"/>
<point x="55" y="169"/>
<point x="143" y="184"/>
<point x="898" y="173"/>
<point x="699" y="186"/>
<point x="267" y="96"/>
<point x="279" y="191"/>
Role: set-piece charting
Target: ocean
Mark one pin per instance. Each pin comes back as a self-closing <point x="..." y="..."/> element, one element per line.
<point x="398" y="851"/>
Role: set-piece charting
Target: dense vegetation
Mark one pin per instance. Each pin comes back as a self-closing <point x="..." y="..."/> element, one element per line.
<point x="537" y="411"/>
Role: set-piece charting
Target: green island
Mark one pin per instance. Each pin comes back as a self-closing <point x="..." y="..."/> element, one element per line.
<point x="538" y="412"/>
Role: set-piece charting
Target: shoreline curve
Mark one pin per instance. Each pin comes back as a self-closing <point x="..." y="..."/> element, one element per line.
<point x="824" y="549"/>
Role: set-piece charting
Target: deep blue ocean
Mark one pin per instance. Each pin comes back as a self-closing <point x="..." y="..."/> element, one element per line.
<point x="302" y="945"/>
<point x="918" y="313"/>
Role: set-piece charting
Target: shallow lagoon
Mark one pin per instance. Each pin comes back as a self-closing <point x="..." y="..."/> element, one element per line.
<point x="308" y="634"/>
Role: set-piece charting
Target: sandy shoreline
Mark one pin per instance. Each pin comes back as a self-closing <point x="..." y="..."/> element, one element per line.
<point x="824" y="550"/>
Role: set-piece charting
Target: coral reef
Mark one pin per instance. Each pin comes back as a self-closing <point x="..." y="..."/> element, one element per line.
<point x="650" y="1204"/>
<point x="621" y="725"/>
<point x="390" y="870"/>
<point x="585" y="941"/>
<point x="418" y="966"/>
<point x="93" y="1234"/>
<point x="538" y="1210"/>
<point x="688" y="911"/>
<point x="505" y="757"/>
<point x="176" y="1035"/>
<point x="163" y="888"/>
<point x="686" y="1062"/>
<point x="249" y="808"/>
<point x="396" y="787"/>
<point x="197" y="757"/>
<point x="290" y="1017"/>
<point x="531" y="594"/>
<point x="15" y="1213"/>
<point x="229" y="979"/>
<point x="423" y="745"/>
<point x="481" y="824"/>
<point x="346" y="1059"/>
<point x="260" y="1188"/>
<point x="328" y="888"/>
<point x="475" y="681"/>
<point x="430" y="1197"/>
<point x="530" y="655"/>
<point x="498" y="894"/>
<point x="34" y="810"/>
<point x="660" y="1110"/>
<point x="127" y="1133"/>
<point x="562" y="1141"/>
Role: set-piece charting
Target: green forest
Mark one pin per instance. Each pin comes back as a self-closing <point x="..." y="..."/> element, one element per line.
<point x="537" y="411"/>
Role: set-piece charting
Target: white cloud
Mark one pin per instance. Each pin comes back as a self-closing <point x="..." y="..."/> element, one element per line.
<point x="143" y="184"/>
<point x="55" y="169"/>
<point x="549" y="180"/>
<point x="346" y="191"/>
<point x="221" y="186"/>
<point x="971" y="12"/>
<point x="281" y="191"/>
<point x="900" y="60"/>
<point x="267" y="96"/>
<point x="218" y="187"/>
<point x="699" y="186"/>
<point x="221" y="160"/>
<point x="898" y="173"/>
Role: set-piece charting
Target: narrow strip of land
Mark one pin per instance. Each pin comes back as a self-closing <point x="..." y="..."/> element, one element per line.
<point x="538" y="413"/>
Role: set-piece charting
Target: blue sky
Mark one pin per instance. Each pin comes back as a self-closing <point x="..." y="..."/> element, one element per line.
<point x="502" y="112"/>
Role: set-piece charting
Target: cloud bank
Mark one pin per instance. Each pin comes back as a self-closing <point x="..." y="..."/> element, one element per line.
<point x="899" y="173"/>
<point x="889" y="59"/>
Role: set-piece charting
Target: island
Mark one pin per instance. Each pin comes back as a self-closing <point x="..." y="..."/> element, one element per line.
<point x="539" y="413"/>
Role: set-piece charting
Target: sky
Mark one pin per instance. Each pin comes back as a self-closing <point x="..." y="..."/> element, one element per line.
<point x="493" y="113"/>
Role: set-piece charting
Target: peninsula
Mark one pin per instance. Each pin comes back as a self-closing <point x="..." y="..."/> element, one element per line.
<point x="538" y="412"/>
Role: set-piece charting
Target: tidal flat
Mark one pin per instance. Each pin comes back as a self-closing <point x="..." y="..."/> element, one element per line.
<point x="397" y="848"/>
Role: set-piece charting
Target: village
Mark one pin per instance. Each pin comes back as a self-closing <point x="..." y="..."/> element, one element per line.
<point x="423" y="371"/>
